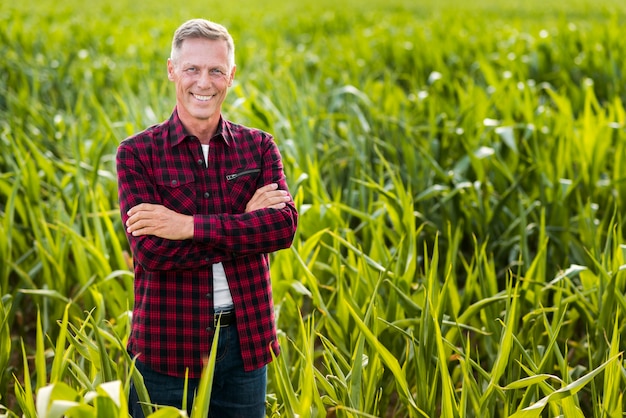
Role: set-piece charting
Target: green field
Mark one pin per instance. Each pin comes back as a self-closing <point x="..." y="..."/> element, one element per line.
<point x="456" y="166"/>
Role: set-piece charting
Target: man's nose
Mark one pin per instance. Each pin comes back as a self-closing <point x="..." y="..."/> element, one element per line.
<point x="204" y="79"/>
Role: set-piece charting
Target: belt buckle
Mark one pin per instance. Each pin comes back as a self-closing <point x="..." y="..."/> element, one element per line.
<point x="216" y="318"/>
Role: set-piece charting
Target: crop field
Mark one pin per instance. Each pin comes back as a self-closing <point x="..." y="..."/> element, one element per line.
<point x="457" y="168"/>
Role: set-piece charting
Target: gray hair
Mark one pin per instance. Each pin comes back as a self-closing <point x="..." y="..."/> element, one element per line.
<point x="202" y="28"/>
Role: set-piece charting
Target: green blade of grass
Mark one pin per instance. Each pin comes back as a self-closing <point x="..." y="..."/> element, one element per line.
<point x="535" y="410"/>
<point x="388" y="359"/>
<point x="202" y="400"/>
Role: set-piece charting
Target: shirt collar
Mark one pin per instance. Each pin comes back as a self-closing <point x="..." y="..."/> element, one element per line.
<point x="178" y="133"/>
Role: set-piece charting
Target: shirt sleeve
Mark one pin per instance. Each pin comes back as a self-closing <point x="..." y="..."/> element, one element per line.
<point x="260" y="231"/>
<point x="136" y="185"/>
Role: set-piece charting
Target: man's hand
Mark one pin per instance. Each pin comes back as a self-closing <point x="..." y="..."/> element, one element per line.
<point x="268" y="197"/>
<point x="151" y="219"/>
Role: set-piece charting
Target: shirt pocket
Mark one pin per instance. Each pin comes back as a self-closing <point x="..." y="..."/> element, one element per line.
<point x="177" y="191"/>
<point x="241" y="185"/>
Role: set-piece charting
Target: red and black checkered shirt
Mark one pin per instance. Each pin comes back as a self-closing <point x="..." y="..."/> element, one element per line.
<point x="172" y="324"/>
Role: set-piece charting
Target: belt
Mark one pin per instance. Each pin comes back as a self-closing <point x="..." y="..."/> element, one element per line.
<point x="226" y="318"/>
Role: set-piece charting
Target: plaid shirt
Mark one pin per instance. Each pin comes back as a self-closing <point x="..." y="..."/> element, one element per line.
<point x="172" y="324"/>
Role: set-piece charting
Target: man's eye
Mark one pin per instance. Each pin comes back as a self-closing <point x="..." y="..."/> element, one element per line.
<point x="190" y="69"/>
<point x="217" y="71"/>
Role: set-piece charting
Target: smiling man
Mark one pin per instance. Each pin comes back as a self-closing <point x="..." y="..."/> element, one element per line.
<point x="204" y="201"/>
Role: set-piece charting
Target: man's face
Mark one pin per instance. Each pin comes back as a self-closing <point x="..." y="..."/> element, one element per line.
<point x="202" y="76"/>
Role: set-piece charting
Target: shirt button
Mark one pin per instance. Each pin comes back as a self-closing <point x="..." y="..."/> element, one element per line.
<point x="209" y="295"/>
<point x="207" y="195"/>
<point x="200" y="161"/>
<point x="174" y="182"/>
<point x="209" y="329"/>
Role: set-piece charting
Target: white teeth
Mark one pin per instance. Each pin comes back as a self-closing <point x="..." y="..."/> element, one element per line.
<point x="202" y="98"/>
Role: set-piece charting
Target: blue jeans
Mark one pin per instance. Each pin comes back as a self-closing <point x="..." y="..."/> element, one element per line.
<point x="235" y="392"/>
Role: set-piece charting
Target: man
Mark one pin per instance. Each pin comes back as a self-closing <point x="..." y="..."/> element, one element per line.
<point x="204" y="200"/>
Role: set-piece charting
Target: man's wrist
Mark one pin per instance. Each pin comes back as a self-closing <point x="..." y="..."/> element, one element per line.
<point x="191" y="227"/>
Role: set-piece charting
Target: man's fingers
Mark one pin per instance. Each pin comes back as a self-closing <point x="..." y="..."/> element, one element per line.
<point x="268" y="196"/>
<point x="140" y="208"/>
<point x="140" y="216"/>
<point x="151" y="219"/>
<point x="137" y="226"/>
<point x="268" y="187"/>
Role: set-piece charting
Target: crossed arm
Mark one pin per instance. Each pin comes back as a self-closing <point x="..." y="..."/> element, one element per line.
<point x="157" y="220"/>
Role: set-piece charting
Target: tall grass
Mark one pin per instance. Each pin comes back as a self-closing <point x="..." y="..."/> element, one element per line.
<point x="457" y="169"/>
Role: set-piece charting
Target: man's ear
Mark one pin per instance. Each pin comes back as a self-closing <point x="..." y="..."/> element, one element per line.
<point x="170" y="69"/>
<point x="232" y="75"/>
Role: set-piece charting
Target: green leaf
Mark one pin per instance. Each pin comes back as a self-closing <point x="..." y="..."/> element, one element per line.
<point x="528" y="381"/>
<point x="569" y="390"/>
<point x="202" y="400"/>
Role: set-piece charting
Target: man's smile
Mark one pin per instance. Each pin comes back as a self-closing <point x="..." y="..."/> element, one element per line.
<point x="202" y="98"/>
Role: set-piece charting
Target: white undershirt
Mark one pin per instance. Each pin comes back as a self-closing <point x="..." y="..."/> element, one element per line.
<point x="221" y="292"/>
